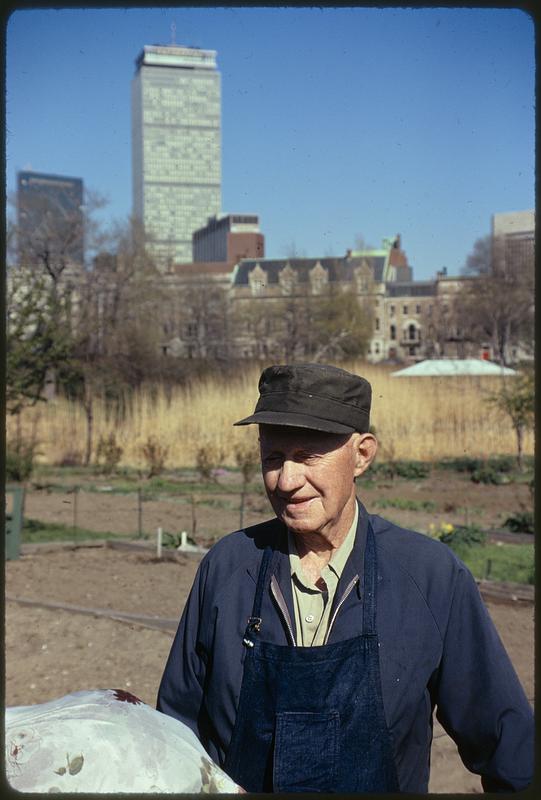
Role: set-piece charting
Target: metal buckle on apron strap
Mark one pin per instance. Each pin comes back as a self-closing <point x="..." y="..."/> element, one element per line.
<point x="254" y="626"/>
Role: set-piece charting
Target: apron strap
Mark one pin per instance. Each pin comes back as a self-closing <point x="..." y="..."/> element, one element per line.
<point x="254" y="622"/>
<point x="370" y="575"/>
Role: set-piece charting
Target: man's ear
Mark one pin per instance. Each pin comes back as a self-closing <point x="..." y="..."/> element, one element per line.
<point x="365" y="447"/>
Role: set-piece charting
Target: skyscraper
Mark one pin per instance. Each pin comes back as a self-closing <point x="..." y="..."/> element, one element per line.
<point x="49" y="217"/>
<point x="176" y="146"/>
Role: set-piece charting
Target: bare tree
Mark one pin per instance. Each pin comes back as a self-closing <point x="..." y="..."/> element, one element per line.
<point x="515" y="402"/>
<point x="498" y="303"/>
<point x="38" y="336"/>
<point x="59" y="235"/>
<point x="343" y="325"/>
<point x="44" y="282"/>
<point x="292" y="250"/>
<point x="334" y="324"/>
<point x="118" y="324"/>
<point x="361" y="244"/>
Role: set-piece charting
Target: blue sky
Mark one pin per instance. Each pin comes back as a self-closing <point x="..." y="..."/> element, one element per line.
<point x="336" y="122"/>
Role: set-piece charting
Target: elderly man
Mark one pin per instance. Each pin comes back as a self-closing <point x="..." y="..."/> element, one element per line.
<point x="314" y="647"/>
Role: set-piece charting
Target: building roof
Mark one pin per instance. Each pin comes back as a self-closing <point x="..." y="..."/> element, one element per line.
<point x="442" y="367"/>
<point x="411" y="289"/>
<point x="339" y="269"/>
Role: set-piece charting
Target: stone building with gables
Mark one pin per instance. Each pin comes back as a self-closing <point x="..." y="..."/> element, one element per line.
<point x="411" y="320"/>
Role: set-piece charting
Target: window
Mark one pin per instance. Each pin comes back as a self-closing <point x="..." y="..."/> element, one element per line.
<point x="417" y="309"/>
<point x="377" y="323"/>
<point x="392" y="310"/>
<point x="412" y="351"/>
<point x="412" y="333"/>
<point x="376" y="348"/>
<point x="405" y="310"/>
<point x="393" y="331"/>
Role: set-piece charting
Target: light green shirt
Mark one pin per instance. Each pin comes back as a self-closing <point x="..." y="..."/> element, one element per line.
<point x="313" y="605"/>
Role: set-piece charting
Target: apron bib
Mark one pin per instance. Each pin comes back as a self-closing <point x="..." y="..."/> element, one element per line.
<point x="310" y="719"/>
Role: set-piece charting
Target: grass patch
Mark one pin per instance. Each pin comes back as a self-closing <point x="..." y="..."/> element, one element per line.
<point x="36" y="531"/>
<point x="508" y="562"/>
<point x="406" y="505"/>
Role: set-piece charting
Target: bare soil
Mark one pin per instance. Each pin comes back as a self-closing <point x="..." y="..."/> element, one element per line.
<point x="455" y="499"/>
<point x="51" y="652"/>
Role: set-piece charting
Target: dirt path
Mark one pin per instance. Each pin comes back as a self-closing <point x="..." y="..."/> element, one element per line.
<point x="52" y="652"/>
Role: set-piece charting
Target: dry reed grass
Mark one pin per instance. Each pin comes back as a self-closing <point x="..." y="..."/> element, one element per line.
<point x="415" y="418"/>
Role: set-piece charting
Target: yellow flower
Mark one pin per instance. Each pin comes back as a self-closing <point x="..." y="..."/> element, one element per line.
<point x="447" y="527"/>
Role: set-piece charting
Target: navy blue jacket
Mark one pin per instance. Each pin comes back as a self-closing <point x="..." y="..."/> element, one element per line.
<point x="438" y="650"/>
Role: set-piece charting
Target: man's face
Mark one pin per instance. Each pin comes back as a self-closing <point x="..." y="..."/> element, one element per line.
<point x="309" y="477"/>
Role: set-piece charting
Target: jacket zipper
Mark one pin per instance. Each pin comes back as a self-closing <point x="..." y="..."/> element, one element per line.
<point x="347" y="591"/>
<point x="279" y="597"/>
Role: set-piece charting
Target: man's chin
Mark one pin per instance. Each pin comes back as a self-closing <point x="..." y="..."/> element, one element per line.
<point x="300" y="523"/>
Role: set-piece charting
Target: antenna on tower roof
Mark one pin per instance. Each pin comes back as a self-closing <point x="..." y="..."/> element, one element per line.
<point x="173" y="32"/>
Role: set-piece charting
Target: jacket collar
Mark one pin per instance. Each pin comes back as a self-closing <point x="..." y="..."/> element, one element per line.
<point x="281" y="566"/>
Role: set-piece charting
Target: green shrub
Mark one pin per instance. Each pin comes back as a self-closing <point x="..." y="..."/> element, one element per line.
<point x="463" y="464"/>
<point x="488" y="474"/>
<point x="20" y="461"/>
<point x="521" y="522"/>
<point x="462" y="538"/>
<point x="503" y="464"/>
<point x="411" y="470"/>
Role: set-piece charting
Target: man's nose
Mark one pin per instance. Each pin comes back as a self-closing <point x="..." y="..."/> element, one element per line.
<point x="291" y="476"/>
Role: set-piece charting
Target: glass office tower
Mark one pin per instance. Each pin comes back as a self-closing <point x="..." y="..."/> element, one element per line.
<point x="49" y="217"/>
<point x="176" y="147"/>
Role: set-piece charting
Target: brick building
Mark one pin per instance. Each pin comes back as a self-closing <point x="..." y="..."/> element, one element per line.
<point x="229" y="238"/>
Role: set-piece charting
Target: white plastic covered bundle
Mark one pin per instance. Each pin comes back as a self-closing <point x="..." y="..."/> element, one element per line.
<point x="106" y="741"/>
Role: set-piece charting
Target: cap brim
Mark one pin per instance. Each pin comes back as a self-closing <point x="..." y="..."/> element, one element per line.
<point x="291" y="420"/>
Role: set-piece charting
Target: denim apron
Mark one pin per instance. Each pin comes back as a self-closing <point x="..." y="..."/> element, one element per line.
<point x="310" y="719"/>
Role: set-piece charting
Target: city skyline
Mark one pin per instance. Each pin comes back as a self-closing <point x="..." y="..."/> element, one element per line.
<point x="336" y="123"/>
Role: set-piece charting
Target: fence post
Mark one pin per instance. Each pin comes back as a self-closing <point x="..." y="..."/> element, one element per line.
<point x="194" y="517"/>
<point x="75" y="494"/>
<point x="139" y="513"/>
<point x="14" y="523"/>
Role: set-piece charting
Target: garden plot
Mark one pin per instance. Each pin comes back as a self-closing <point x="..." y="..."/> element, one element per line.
<point x="50" y="652"/>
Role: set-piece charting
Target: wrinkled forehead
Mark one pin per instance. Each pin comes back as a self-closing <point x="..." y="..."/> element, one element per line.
<point x="280" y="437"/>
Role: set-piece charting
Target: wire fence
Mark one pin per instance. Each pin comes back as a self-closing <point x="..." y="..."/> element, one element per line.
<point x="139" y="514"/>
